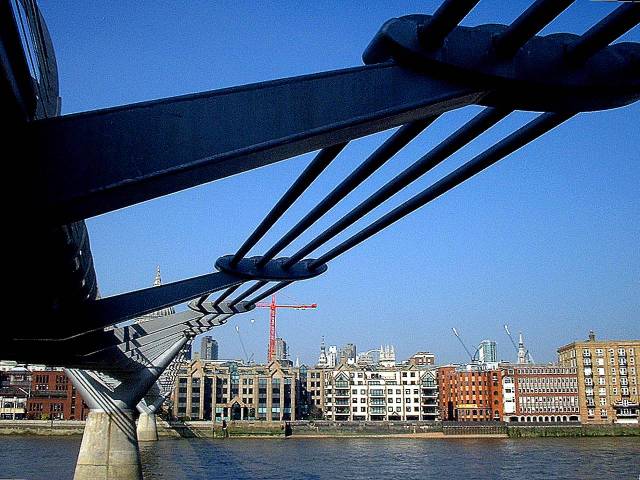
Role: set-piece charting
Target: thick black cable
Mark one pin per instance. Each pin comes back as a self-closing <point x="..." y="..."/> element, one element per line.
<point x="532" y="20"/>
<point x="268" y="292"/>
<point x="250" y="291"/>
<point x="445" y="19"/>
<point x="477" y="125"/>
<point x="377" y="159"/>
<point x="618" y="22"/>
<point x="225" y="294"/>
<point x="508" y="145"/>
<point x="315" y="168"/>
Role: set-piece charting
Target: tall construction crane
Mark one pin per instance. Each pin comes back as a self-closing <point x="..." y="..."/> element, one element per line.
<point x="471" y="356"/>
<point x="248" y="358"/>
<point x="273" y="306"/>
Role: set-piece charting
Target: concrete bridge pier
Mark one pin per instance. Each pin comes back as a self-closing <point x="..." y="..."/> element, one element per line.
<point x="147" y="430"/>
<point x="109" y="448"/>
<point x="147" y="427"/>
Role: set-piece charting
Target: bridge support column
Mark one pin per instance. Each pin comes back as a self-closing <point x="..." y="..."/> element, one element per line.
<point x="109" y="448"/>
<point x="147" y="430"/>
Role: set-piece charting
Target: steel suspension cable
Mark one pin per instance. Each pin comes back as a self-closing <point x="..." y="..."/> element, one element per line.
<point x="268" y="292"/>
<point x="315" y="168"/>
<point x="532" y="20"/>
<point x="445" y="19"/>
<point x="250" y="291"/>
<point x="511" y="143"/>
<point x="618" y="22"/>
<point x="377" y="159"/>
<point x="225" y="294"/>
<point x="477" y="125"/>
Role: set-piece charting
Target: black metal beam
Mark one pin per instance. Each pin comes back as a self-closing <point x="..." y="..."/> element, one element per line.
<point x="95" y="162"/>
<point x="97" y="314"/>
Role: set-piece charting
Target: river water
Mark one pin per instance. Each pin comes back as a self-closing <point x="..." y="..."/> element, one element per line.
<point x="53" y="458"/>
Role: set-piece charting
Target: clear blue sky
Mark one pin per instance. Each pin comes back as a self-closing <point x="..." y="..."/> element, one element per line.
<point x="546" y="241"/>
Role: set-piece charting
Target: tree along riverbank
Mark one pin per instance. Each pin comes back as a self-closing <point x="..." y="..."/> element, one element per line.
<point x="318" y="428"/>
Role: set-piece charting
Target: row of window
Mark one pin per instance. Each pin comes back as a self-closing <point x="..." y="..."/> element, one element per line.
<point x="548" y="390"/>
<point x="600" y="352"/>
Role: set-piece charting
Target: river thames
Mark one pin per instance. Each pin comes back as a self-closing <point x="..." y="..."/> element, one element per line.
<point x="487" y="458"/>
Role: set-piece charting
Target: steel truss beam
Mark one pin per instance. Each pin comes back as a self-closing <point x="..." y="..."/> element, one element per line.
<point x="96" y="162"/>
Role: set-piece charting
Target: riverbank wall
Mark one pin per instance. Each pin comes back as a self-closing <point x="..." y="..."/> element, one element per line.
<point x="321" y="428"/>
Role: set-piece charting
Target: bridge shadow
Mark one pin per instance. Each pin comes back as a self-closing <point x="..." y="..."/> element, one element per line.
<point x="182" y="429"/>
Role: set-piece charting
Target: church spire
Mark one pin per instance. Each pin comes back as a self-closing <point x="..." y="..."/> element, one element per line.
<point x="163" y="312"/>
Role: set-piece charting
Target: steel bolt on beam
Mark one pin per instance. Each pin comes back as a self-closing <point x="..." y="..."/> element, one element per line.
<point x="544" y="77"/>
<point x="274" y="270"/>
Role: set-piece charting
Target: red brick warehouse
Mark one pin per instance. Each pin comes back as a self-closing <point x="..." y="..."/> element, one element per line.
<point x="54" y="397"/>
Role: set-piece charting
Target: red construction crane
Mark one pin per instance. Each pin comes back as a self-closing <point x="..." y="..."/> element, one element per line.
<point x="273" y="306"/>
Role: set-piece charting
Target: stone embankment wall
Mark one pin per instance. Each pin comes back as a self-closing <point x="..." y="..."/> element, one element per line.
<point x="321" y="428"/>
<point x="41" y="427"/>
<point x="574" y="431"/>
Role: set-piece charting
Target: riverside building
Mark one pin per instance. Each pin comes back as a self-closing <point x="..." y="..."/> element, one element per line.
<point x="470" y="393"/>
<point x="539" y="393"/>
<point x="53" y="397"/>
<point x="608" y="378"/>
<point x="231" y="390"/>
<point x="353" y="393"/>
<point x="315" y="391"/>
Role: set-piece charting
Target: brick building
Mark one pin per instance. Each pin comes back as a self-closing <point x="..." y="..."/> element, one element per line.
<point x="470" y="393"/>
<point x="608" y="378"/>
<point x="52" y="396"/>
<point x="540" y="393"/>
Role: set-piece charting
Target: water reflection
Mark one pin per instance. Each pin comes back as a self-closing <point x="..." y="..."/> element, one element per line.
<point x="491" y="458"/>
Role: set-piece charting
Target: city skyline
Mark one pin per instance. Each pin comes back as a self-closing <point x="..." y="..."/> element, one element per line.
<point x="546" y="241"/>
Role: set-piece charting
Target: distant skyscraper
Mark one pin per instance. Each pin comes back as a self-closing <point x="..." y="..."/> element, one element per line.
<point x="208" y="348"/>
<point x="281" y="352"/>
<point x="487" y="351"/>
<point x="332" y="356"/>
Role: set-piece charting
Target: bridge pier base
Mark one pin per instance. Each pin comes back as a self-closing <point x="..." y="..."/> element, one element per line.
<point x="147" y="430"/>
<point x="109" y="448"/>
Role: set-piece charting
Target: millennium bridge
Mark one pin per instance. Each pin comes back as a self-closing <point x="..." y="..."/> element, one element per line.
<point x="72" y="167"/>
